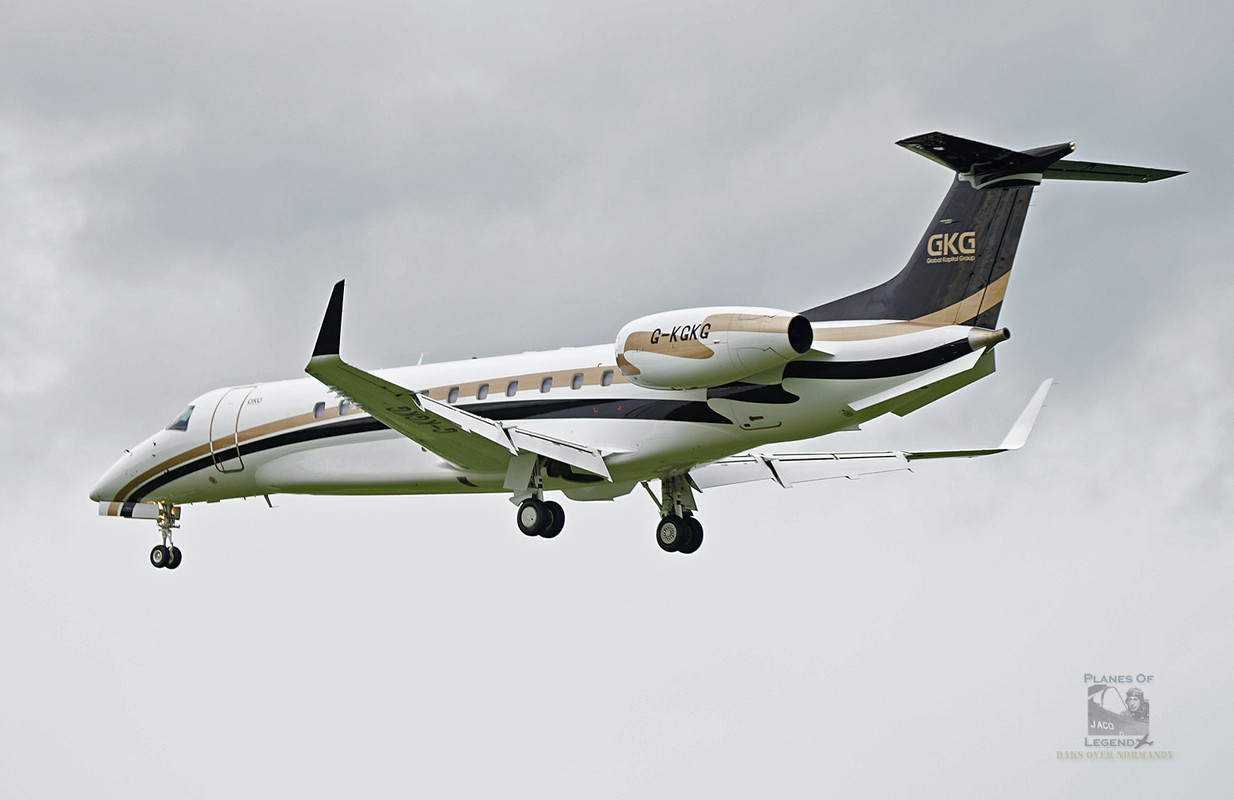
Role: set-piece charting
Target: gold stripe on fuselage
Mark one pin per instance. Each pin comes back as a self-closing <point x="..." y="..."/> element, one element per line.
<point x="224" y="442"/>
<point x="562" y="379"/>
<point x="972" y="306"/>
<point x="532" y="381"/>
<point x="592" y="376"/>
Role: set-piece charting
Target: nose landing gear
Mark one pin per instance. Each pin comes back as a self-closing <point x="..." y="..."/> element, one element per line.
<point x="166" y="555"/>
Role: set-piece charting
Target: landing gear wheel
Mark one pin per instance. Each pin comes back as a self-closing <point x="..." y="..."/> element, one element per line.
<point x="176" y="558"/>
<point x="160" y="556"/>
<point x="674" y="534"/>
<point x="534" y="517"/>
<point x="559" y="519"/>
<point x="696" y="538"/>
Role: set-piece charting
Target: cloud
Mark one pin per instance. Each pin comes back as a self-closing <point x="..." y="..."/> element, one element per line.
<point x="180" y="186"/>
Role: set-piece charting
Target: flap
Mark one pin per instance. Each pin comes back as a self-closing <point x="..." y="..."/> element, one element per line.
<point x="789" y="468"/>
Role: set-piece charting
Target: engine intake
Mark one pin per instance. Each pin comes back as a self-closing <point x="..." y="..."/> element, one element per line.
<point x="703" y="347"/>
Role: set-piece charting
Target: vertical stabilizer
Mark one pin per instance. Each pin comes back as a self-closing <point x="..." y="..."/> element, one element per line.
<point x="959" y="271"/>
<point x="958" y="274"/>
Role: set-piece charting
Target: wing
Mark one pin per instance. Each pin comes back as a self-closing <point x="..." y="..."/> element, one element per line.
<point x="471" y="441"/>
<point x="789" y="468"/>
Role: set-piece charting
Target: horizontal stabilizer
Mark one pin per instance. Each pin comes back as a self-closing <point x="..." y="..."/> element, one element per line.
<point x="1067" y="170"/>
<point x="985" y="165"/>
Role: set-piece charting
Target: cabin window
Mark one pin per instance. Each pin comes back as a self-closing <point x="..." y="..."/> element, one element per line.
<point x="344" y="408"/>
<point x="511" y="388"/>
<point x="546" y="384"/>
<point x="452" y="395"/>
<point x="482" y="392"/>
<point x="577" y="381"/>
<point x="607" y="378"/>
<point x="319" y="411"/>
<point x="181" y="423"/>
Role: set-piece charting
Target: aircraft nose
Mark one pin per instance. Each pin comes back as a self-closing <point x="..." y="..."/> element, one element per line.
<point x="109" y="485"/>
<point x="99" y="492"/>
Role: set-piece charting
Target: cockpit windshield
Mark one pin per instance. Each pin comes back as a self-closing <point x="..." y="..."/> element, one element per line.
<point x="181" y="423"/>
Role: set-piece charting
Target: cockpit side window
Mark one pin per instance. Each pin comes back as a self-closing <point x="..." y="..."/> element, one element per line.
<point x="181" y="423"/>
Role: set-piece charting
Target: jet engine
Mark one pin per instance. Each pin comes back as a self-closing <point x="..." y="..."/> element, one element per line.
<point x="702" y="347"/>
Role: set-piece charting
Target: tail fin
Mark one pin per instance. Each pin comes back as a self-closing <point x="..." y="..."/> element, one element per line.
<point x="958" y="273"/>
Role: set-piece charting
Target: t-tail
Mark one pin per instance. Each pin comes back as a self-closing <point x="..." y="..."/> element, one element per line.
<point x="958" y="273"/>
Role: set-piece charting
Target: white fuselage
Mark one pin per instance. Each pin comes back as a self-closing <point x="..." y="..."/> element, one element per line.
<point x="297" y="436"/>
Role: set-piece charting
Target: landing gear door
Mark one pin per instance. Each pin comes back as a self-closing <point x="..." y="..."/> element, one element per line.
<point x="225" y="428"/>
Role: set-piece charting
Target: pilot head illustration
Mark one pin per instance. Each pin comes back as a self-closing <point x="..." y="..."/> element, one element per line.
<point x="1137" y="706"/>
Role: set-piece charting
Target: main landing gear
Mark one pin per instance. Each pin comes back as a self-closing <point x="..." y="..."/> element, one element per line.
<point x="537" y="516"/>
<point x="166" y="555"/>
<point x="678" y="531"/>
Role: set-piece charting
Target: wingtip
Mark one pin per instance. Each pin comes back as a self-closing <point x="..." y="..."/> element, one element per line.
<point x="331" y="326"/>
<point x="1018" y="435"/>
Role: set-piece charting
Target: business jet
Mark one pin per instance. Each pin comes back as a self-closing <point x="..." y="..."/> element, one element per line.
<point x="687" y="400"/>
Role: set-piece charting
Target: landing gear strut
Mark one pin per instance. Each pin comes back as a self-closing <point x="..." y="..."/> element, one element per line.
<point x="166" y="555"/>
<point x="678" y="531"/>
<point x="537" y="516"/>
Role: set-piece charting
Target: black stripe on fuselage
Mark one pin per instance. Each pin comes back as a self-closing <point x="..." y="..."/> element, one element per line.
<point x="582" y="408"/>
<point x="772" y="394"/>
<point x="878" y="368"/>
<point x="672" y="410"/>
<point x="345" y="428"/>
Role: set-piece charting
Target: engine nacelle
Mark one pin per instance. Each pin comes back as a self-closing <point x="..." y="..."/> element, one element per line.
<point x="703" y="347"/>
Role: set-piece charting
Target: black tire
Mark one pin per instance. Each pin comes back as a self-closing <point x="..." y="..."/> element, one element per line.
<point x="176" y="558"/>
<point x="559" y="519"/>
<point x="160" y="556"/>
<point x="696" y="536"/>
<point x="673" y="533"/>
<point x="534" y="518"/>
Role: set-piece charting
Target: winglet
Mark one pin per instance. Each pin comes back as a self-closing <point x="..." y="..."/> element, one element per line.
<point x="331" y="326"/>
<point x="1014" y="440"/>
<point x="1018" y="435"/>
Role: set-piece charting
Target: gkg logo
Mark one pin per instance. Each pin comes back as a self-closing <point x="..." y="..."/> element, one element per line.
<point x="952" y="244"/>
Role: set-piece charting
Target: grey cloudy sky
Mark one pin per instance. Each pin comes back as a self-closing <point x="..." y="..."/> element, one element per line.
<point x="181" y="183"/>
